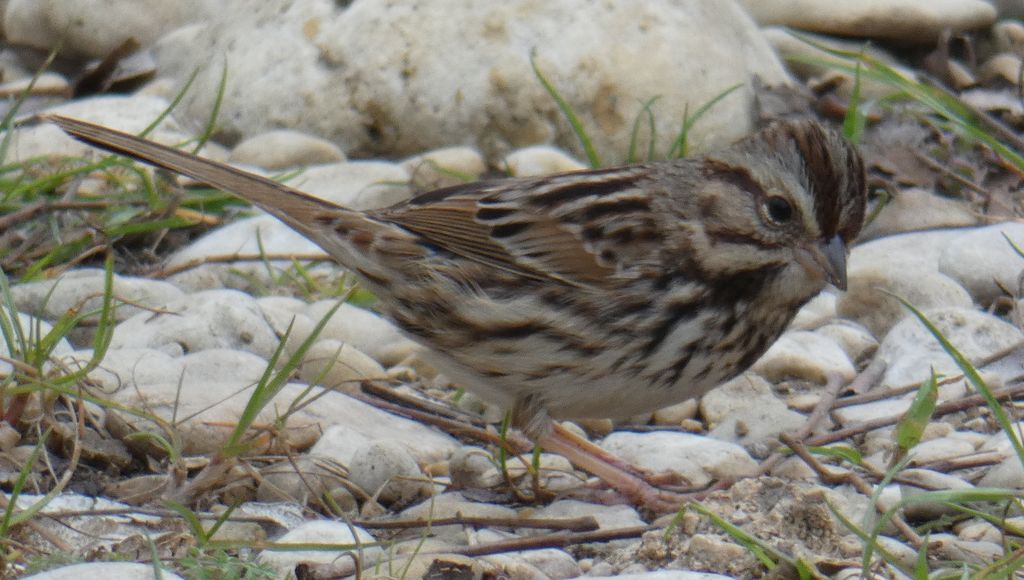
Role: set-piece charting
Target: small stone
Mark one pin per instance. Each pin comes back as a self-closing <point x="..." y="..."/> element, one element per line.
<point x="303" y="480"/>
<point x="451" y="504"/>
<point x="360" y="185"/>
<point x="255" y="236"/>
<point x="32" y="330"/>
<point x="698" y="460"/>
<point x="82" y="290"/>
<point x="9" y="436"/>
<point x="320" y="532"/>
<point x="855" y="340"/>
<point x="365" y="330"/>
<point x="804" y="355"/>
<point x="48" y="83"/>
<point x="285" y="149"/>
<point x="1007" y="474"/>
<point x="803" y="402"/>
<point x="979" y="530"/>
<point x="444" y="167"/>
<point x="676" y="414"/>
<point x="473" y="468"/>
<point x="126" y="113"/>
<point x="551" y="562"/>
<point x="939" y="449"/>
<point x="388" y="472"/>
<point x="539" y="160"/>
<point x="348" y="424"/>
<point x="92" y="28"/>
<point x="336" y="365"/>
<point x="1001" y="68"/>
<point x="794" y="469"/>
<point x="1009" y="34"/>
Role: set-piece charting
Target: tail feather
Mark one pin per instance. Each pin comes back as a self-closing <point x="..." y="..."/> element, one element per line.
<point x="309" y="215"/>
<point x="292" y="206"/>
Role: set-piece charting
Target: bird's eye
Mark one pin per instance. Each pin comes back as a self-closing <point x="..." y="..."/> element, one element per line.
<point x="779" y="210"/>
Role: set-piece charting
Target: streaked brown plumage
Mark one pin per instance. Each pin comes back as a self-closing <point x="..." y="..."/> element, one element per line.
<point x="599" y="293"/>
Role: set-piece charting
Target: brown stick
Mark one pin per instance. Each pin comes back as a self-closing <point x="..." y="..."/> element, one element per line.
<point x="940" y="410"/>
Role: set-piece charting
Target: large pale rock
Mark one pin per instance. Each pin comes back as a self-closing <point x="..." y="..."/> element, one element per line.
<point x="907" y="21"/>
<point x="381" y="78"/>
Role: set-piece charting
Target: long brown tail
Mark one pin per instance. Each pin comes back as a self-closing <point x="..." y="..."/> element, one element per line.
<point x="294" y="207"/>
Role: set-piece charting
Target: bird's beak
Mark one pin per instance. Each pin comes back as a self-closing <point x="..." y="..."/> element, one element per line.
<point x="831" y="258"/>
<point x="827" y="259"/>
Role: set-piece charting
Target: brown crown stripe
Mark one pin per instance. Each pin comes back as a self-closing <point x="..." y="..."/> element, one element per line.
<point x="736" y="175"/>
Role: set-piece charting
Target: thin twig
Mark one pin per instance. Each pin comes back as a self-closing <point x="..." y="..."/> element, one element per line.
<point x="454" y="427"/>
<point x="940" y="410"/>
<point x="936" y="166"/>
<point x="580" y="524"/>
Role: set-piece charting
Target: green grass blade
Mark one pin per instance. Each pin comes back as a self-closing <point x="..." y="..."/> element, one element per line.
<point x="570" y="115"/>
<point x="172" y="105"/>
<point x="7" y="124"/>
<point x="680" y="147"/>
<point x="910" y="427"/>
<point x="271" y="383"/>
<point x="218" y="100"/>
<point x="855" y="118"/>
<point x="645" y="114"/>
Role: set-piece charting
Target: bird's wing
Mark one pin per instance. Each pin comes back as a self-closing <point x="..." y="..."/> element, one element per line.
<point x="536" y="228"/>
